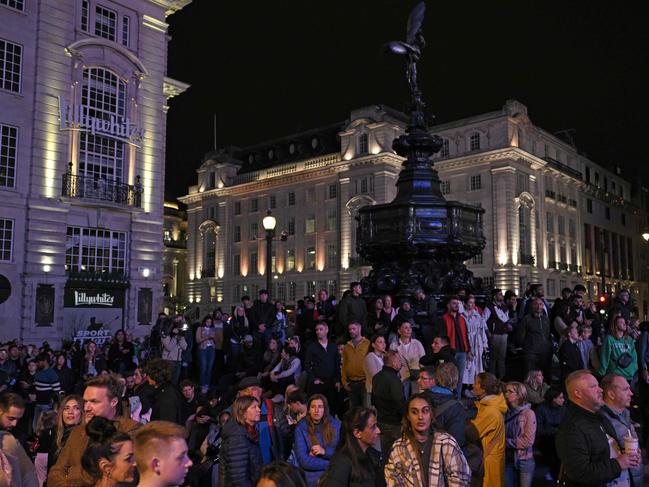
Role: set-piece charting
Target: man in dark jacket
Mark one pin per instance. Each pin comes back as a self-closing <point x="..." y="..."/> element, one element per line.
<point x="389" y="400"/>
<point x="440" y="352"/>
<point x="533" y="335"/>
<point x="582" y="440"/>
<point x="352" y="309"/>
<point x="322" y="366"/>
<point x="425" y="317"/>
<point x="262" y="312"/>
<point x="168" y="405"/>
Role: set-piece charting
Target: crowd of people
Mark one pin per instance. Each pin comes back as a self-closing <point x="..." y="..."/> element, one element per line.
<point x="496" y="391"/>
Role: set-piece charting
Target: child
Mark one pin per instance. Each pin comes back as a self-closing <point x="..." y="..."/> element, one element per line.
<point x="586" y="348"/>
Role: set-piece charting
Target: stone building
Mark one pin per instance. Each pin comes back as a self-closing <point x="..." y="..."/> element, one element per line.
<point x="174" y="258"/>
<point x="544" y="205"/>
<point x="83" y="101"/>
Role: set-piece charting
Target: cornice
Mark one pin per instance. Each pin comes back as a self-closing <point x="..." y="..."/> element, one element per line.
<point x="75" y="50"/>
<point x="171" y="6"/>
<point x="172" y="87"/>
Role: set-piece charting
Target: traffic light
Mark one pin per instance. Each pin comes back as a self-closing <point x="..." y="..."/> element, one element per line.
<point x="602" y="301"/>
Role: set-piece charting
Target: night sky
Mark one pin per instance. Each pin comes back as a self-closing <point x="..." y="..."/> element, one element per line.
<point x="271" y="68"/>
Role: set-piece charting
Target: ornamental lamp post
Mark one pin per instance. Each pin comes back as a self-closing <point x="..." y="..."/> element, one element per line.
<point x="269" y="223"/>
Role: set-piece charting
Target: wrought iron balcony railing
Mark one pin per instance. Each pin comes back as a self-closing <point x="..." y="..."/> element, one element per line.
<point x="102" y="189"/>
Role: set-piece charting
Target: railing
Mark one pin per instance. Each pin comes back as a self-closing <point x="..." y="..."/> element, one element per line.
<point x="574" y="268"/>
<point x="288" y="168"/>
<point x="563" y="266"/>
<point x="567" y="170"/>
<point x="102" y="189"/>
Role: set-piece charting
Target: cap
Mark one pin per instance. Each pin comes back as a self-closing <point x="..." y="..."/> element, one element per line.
<point x="248" y="382"/>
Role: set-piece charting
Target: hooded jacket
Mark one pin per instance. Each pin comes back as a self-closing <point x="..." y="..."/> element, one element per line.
<point x="520" y="431"/>
<point x="451" y="418"/>
<point x="490" y="425"/>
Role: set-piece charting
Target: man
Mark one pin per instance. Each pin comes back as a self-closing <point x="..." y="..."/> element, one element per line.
<point x="325" y="310"/>
<point x="173" y="346"/>
<point x="405" y="313"/>
<point x="353" y="374"/>
<point x="16" y="469"/>
<point x="533" y="336"/>
<point x="536" y="292"/>
<point x="352" y="308"/>
<point x="389" y="400"/>
<point x="262" y="313"/>
<point x="161" y="455"/>
<point x="582" y="440"/>
<point x="307" y="320"/>
<point x="411" y="351"/>
<point x="442" y="353"/>
<point x="499" y="326"/>
<point x="322" y="366"/>
<point x="168" y="404"/>
<point x="617" y="401"/>
<point x="454" y="327"/>
<point x="46" y="384"/>
<point x="145" y="391"/>
<point x="621" y="305"/>
<point x="101" y="398"/>
<point x="450" y="415"/>
<point x="190" y="402"/>
<point x="425" y="317"/>
<point x="6" y="365"/>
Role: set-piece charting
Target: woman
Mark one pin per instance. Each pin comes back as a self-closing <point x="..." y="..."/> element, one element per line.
<point x="239" y="328"/>
<point x="70" y="414"/>
<point x="315" y="439"/>
<point x="93" y="363"/>
<point x="488" y="427"/>
<point x="205" y="335"/>
<point x="44" y="437"/>
<point x="548" y="416"/>
<point x="280" y="324"/>
<point x="281" y="474"/>
<point x="423" y="456"/>
<point x="476" y="328"/>
<point x="388" y="308"/>
<point x="618" y="354"/>
<point x="270" y="358"/>
<point x="379" y="320"/>
<point x="240" y="453"/>
<point x="286" y="372"/>
<point x="120" y="354"/>
<point x="67" y="377"/>
<point x="356" y="463"/>
<point x="373" y="363"/>
<point x="520" y="432"/>
<point x="108" y="459"/>
<point x="536" y="388"/>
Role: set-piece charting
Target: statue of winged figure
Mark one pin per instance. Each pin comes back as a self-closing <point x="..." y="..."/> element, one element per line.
<point x="412" y="48"/>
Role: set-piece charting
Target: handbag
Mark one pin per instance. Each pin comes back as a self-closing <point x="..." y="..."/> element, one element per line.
<point x="624" y="360"/>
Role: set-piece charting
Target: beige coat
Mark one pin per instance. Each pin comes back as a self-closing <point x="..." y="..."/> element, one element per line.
<point x="15" y="462"/>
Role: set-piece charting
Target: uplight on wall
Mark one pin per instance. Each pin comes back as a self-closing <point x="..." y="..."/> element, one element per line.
<point x="46" y="268"/>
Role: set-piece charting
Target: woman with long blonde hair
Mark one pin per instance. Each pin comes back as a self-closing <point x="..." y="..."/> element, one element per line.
<point x="70" y="414"/>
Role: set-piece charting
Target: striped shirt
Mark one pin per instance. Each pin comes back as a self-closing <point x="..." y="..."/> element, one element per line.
<point x="46" y="382"/>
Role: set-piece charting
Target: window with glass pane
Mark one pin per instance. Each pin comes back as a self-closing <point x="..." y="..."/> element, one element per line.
<point x="332" y="192"/>
<point x="476" y="182"/>
<point x="332" y="219"/>
<point x="292" y="291"/>
<point x="237" y="207"/>
<point x="445" y="187"/>
<point x="103" y="95"/>
<point x="95" y="250"/>
<point x="254" y="205"/>
<point x="310" y="288"/>
<point x="237" y="233"/>
<point x="310" y="258"/>
<point x="290" y="260"/>
<point x="125" y="33"/>
<point x="332" y="256"/>
<point x="475" y="141"/>
<point x="291" y="198"/>
<point x="253" y="264"/>
<point x="273" y="260"/>
<point x="445" y="148"/>
<point x="10" y="65"/>
<point x="291" y="225"/>
<point x="16" y="4"/>
<point x="309" y="224"/>
<point x="281" y="291"/>
<point x="8" y="147"/>
<point x="6" y="239"/>
<point x="550" y="223"/>
<point x="362" y="144"/>
<point x="272" y="202"/>
<point x="84" y="15"/>
<point x="105" y="23"/>
<point x="236" y="265"/>
<point x="332" y="287"/>
<point x="254" y="227"/>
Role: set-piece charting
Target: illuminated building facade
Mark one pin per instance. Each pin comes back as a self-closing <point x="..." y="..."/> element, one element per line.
<point x="536" y="189"/>
<point x="174" y="258"/>
<point x="83" y="101"/>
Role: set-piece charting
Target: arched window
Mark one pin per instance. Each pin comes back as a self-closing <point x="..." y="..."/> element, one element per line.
<point x="103" y="97"/>
<point x="524" y="233"/>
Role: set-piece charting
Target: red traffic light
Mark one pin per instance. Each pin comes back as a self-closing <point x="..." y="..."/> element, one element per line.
<point x="602" y="298"/>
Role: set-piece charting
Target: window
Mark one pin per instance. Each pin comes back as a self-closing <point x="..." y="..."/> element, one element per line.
<point x="10" y="65"/>
<point x="291" y="198"/>
<point x="237" y="207"/>
<point x="254" y="205"/>
<point x="363" y="144"/>
<point x="364" y="185"/>
<point x="561" y="225"/>
<point x="477" y="259"/>
<point x="310" y="288"/>
<point x="212" y="212"/>
<point x="290" y="260"/>
<point x="572" y="229"/>
<point x="254" y="229"/>
<point x="445" y="187"/>
<point x="445" y="148"/>
<point x="550" y="222"/>
<point x="105" y="23"/>
<point x="310" y="258"/>
<point x="17" y="4"/>
<point x="237" y="233"/>
<point x="291" y="225"/>
<point x="8" y="147"/>
<point x="125" y="33"/>
<point x="589" y="205"/>
<point x="84" y="15"/>
<point x="488" y="282"/>
<point x="333" y="190"/>
<point x="587" y="174"/>
<point x="551" y="287"/>
<point x="474" y="141"/>
<point x="309" y="224"/>
<point x="253" y="264"/>
<point x="332" y="256"/>
<point x="623" y="216"/>
<point x="211" y="180"/>
<point x="608" y="213"/>
<point x="332" y="219"/>
<point x="476" y="182"/>
<point x="272" y="202"/>
<point x="310" y="195"/>
<point x="522" y="182"/>
<point x="95" y="250"/>
<point x="292" y="291"/>
<point x="332" y="287"/>
<point x="281" y="291"/>
<point x="103" y="96"/>
<point x="6" y="239"/>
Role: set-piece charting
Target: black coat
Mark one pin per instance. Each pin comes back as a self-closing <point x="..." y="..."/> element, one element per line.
<point x="339" y="473"/>
<point x="168" y="406"/>
<point x="240" y="456"/>
<point x="388" y="397"/>
<point x="451" y="418"/>
<point x="569" y="358"/>
<point x="583" y="448"/>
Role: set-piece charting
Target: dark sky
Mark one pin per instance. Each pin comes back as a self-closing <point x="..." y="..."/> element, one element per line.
<point x="271" y="68"/>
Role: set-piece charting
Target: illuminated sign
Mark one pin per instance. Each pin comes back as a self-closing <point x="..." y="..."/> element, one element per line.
<point x="93" y="298"/>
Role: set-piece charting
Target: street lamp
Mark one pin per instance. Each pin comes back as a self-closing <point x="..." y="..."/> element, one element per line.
<point x="269" y="223"/>
<point x="645" y="235"/>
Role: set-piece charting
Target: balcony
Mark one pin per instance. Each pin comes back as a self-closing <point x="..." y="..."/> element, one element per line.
<point x="567" y="170"/>
<point x="102" y="189"/>
<point x="574" y="268"/>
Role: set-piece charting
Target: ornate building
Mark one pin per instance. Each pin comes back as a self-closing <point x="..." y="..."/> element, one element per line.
<point x="174" y="258"/>
<point x="544" y="205"/>
<point x="83" y="101"/>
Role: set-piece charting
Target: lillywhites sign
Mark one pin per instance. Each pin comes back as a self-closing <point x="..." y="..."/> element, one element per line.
<point x="75" y="117"/>
<point x="93" y="298"/>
